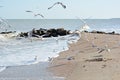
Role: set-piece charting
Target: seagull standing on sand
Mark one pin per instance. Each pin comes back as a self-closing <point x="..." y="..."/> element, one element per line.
<point x="35" y="14"/>
<point x="107" y="49"/>
<point x="50" y="58"/>
<point x="64" y="6"/>
<point x="104" y="49"/>
<point x="35" y="58"/>
<point x="70" y="58"/>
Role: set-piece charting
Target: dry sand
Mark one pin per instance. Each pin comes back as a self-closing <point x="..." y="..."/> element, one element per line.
<point x="94" y="57"/>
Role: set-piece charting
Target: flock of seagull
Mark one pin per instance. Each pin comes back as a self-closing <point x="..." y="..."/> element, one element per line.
<point x="39" y="14"/>
<point x="35" y="14"/>
<point x="4" y="22"/>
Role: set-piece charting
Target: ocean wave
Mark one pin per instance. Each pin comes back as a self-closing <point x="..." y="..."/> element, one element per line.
<point x="23" y="52"/>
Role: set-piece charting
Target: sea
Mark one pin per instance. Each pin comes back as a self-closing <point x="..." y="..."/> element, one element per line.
<point x="16" y="52"/>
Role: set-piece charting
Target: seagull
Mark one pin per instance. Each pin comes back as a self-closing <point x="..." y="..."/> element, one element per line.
<point x="70" y="58"/>
<point x="39" y="15"/>
<point x="5" y="21"/>
<point x="104" y="49"/>
<point x="84" y="27"/>
<point x="35" y="14"/>
<point x="64" y="6"/>
<point x="28" y="11"/>
<point x="4" y="24"/>
<point x="107" y="49"/>
<point x="35" y="58"/>
<point x="50" y="58"/>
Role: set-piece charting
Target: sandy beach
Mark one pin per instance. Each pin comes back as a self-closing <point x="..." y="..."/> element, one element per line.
<point x="94" y="57"/>
<point x="59" y="40"/>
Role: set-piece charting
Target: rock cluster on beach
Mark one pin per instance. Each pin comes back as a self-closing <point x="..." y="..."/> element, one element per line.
<point x="7" y="32"/>
<point x="102" y="32"/>
<point x="45" y="32"/>
<point x="52" y="32"/>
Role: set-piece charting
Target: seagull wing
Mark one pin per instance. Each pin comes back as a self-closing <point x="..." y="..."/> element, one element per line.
<point x="41" y="15"/>
<point x="5" y="23"/>
<point x="50" y="7"/>
<point x="64" y="6"/>
<point x="80" y="19"/>
<point x="54" y="4"/>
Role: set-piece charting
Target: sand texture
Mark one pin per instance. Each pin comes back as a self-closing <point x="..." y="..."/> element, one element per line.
<point x="93" y="57"/>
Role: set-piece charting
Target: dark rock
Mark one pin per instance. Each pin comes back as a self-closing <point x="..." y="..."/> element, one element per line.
<point x="99" y="32"/>
<point x="62" y="32"/>
<point x="45" y="33"/>
<point x="42" y="31"/>
<point x="7" y="32"/>
<point x="95" y="60"/>
<point x="112" y="32"/>
<point x="25" y="34"/>
<point x="86" y="31"/>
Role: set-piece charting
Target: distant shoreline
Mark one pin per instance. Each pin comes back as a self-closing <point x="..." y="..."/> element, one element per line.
<point x="69" y="19"/>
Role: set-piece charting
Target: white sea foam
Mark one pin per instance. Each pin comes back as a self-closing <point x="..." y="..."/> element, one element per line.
<point x="2" y="68"/>
<point x="2" y="38"/>
<point x="22" y="52"/>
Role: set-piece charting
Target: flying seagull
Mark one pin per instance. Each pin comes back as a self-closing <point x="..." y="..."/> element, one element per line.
<point x="28" y="11"/>
<point x="35" y="14"/>
<point x="39" y="15"/>
<point x="64" y="6"/>
<point x="85" y="26"/>
<point x="4" y="24"/>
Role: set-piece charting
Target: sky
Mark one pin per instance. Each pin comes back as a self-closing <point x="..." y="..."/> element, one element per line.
<point x="95" y="9"/>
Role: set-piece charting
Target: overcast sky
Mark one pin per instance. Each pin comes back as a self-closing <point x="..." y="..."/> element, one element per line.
<point x="15" y="9"/>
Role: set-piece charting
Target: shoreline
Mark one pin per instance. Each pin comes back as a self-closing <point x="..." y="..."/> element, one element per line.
<point x="36" y="71"/>
<point x="89" y="60"/>
<point x="84" y="60"/>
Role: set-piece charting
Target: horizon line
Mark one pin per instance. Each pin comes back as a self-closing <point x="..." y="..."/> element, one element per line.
<point x="63" y="18"/>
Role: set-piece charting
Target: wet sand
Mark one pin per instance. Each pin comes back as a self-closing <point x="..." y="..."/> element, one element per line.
<point x="94" y="57"/>
<point x="37" y="71"/>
